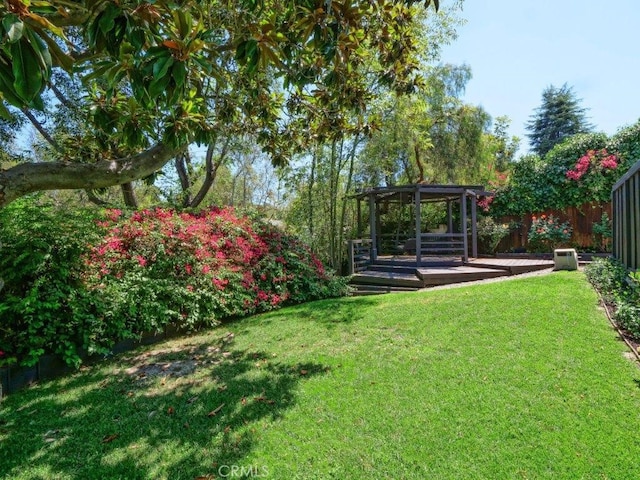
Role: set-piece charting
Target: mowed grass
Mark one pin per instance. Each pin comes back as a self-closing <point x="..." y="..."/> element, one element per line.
<point x="517" y="379"/>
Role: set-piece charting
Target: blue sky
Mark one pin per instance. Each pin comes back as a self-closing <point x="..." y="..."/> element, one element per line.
<point x="517" y="48"/>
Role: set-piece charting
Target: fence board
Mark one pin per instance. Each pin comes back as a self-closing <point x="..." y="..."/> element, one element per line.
<point x="580" y="218"/>
<point x="626" y="219"/>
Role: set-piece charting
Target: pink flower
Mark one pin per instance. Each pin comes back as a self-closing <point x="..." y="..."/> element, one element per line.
<point x="609" y="162"/>
<point x="114" y="214"/>
<point x="141" y="260"/>
<point x="220" y="283"/>
<point x="188" y="269"/>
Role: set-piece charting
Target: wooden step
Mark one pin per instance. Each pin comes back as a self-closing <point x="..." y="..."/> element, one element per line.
<point x="513" y="265"/>
<point x="406" y="269"/>
<point x="378" y="289"/>
<point x="446" y="276"/>
<point x="392" y="279"/>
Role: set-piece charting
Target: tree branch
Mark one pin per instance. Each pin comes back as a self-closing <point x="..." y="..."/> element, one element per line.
<point x="60" y="96"/>
<point x="211" y="169"/>
<point x="34" y="121"/>
<point x="95" y="199"/>
<point x="26" y="178"/>
<point x="183" y="175"/>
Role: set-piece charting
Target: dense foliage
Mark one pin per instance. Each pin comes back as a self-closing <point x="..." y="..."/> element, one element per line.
<point x="75" y="283"/>
<point x="581" y="169"/>
<point x="156" y="77"/>
<point x="44" y="304"/>
<point x="619" y="288"/>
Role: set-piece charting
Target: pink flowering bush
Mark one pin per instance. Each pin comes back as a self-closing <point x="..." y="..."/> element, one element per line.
<point x="485" y="203"/>
<point x="596" y="161"/>
<point x="126" y="274"/>
<point x="162" y="267"/>
<point x="547" y="233"/>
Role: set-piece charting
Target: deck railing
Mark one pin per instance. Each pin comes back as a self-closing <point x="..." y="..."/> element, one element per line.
<point x="438" y="244"/>
<point x="358" y="254"/>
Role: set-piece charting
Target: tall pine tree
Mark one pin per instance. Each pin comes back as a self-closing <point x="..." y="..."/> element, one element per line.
<point x="560" y="116"/>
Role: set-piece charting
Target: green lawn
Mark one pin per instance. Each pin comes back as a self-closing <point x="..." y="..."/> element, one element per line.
<point x="517" y="379"/>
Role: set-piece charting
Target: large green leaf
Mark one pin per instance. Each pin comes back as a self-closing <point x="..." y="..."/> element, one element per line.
<point x="179" y="73"/>
<point x="13" y="26"/>
<point x="6" y="86"/>
<point x="27" y="70"/>
<point x="61" y="58"/>
<point x="161" y="66"/>
<point x="158" y="85"/>
<point x="108" y="17"/>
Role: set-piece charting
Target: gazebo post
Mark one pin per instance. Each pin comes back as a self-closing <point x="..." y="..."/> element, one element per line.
<point x="474" y="227"/>
<point x="372" y="227"/>
<point x="359" y="214"/>
<point x="463" y="214"/>
<point x="418" y="212"/>
<point x="449" y="217"/>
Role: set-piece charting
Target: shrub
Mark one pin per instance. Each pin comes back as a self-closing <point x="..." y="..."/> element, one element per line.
<point x="609" y="277"/>
<point x="603" y="233"/>
<point x="627" y="316"/>
<point x="547" y="233"/>
<point x="581" y="169"/>
<point x="162" y="267"/>
<point x="44" y="304"/>
<point x="491" y="232"/>
<point x="81" y="281"/>
<point x="619" y="288"/>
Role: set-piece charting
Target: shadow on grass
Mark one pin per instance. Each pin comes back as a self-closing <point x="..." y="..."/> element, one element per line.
<point x="157" y="414"/>
<point x="329" y="313"/>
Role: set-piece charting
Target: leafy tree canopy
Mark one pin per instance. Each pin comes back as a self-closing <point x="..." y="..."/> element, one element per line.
<point x="559" y="116"/>
<point x="158" y="76"/>
<point x="433" y="136"/>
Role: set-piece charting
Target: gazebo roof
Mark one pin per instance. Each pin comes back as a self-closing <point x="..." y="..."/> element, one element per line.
<point x="428" y="192"/>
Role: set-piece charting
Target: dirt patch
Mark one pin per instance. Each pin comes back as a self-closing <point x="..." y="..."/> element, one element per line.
<point x="177" y="362"/>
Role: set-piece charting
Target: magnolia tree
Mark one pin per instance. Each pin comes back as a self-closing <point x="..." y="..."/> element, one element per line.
<point x="156" y="77"/>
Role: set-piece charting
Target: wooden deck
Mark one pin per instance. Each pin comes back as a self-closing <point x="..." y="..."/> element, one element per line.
<point x="401" y="273"/>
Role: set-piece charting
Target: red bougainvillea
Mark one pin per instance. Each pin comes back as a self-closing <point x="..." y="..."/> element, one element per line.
<point x="160" y="266"/>
<point x="596" y="160"/>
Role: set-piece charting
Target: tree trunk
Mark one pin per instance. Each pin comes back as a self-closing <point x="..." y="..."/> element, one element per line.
<point x="211" y="170"/>
<point x="129" y="195"/>
<point x="185" y="183"/>
<point x="27" y="178"/>
<point x="347" y="191"/>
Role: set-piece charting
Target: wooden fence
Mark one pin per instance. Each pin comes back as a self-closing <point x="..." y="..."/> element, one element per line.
<point x="626" y="218"/>
<point x="580" y="218"/>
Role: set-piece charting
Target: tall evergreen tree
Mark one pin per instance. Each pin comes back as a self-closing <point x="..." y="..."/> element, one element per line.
<point x="560" y="116"/>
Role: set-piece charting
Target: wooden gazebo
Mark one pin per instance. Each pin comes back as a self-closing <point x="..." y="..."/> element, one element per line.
<point x="454" y="240"/>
